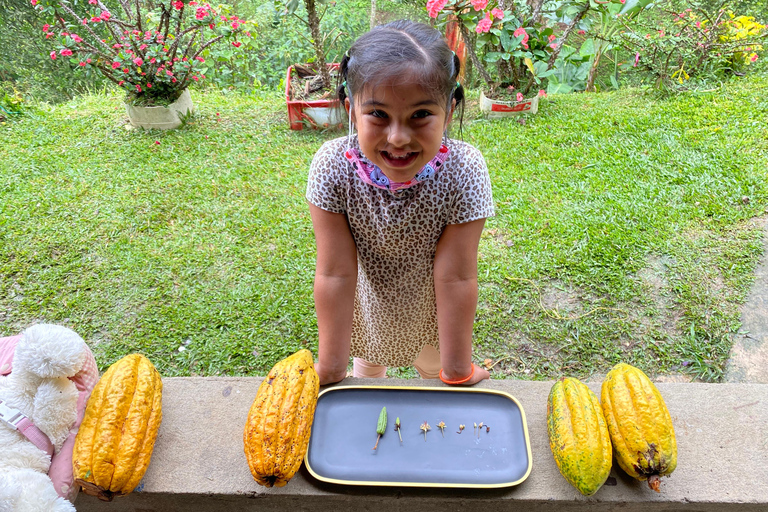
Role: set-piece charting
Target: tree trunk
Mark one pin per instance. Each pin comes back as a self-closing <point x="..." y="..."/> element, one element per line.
<point x="566" y="33"/>
<point x="590" y="87"/>
<point x="317" y="42"/>
<point x="473" y="56"/>
<point x="373" y="13"/>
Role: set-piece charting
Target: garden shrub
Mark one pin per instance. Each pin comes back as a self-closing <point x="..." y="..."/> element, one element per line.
<point x="684" y="48"/>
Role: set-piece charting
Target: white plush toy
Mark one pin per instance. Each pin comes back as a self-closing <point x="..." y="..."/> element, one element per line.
<point x="46" y="375"/>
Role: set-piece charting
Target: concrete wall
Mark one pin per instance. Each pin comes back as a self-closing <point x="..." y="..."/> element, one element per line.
<point x="199" y="465"/>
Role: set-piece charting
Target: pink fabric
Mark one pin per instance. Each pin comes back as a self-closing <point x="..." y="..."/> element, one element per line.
<point x="60" y="471"/>
<point x="427" y="364"/>
<point x="35" y="435"/>
<point x="7" y="348"/>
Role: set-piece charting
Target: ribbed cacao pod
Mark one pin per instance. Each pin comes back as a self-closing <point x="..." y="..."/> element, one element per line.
<point x="279" y="422"/>
<point x="640" y="425"/>
<point x="115" y="441"/>
<point x="578" y="435"/>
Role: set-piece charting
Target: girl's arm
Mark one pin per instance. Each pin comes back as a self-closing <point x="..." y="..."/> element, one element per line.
<point x="335" y="282"/>
<point x="456" y="292"/>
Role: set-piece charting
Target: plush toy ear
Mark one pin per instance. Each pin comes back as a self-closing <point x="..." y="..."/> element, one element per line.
<point x="50" y="351"/>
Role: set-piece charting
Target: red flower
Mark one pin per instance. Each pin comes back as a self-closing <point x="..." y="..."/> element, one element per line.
<point x="53" y="55"/>
<point x="485" y="24"/>
<point x="149" y="86"/>
<point x="115" y="65"/>
<point x="435" y="6"/>
<point x="157" y="142"/>
<point x="82" y="64"/>
<point x="520" y="96"/>
<point x="236" y="44"/>
<point x="497" y="14"/>
<point x="46" y="27"/>
<point x="66" y="52"/>
<point x="178" y="5"/>
<point x="479" y="5"/>
<point x="138" y="61"/>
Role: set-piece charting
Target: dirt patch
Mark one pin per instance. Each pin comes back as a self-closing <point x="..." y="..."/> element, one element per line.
<point x="654" y="278"/>
<point x="560" y="301"/>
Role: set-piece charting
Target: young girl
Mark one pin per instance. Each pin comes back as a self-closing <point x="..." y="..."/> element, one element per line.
<point x="397" y="212"/>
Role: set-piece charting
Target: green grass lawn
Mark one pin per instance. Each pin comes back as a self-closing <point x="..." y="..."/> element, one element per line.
<point x="625" y="231"/>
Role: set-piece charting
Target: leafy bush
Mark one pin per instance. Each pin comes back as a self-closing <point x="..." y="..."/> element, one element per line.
<point x="279" y="41"/>
<point x="153" y="52"/>
<point x="683" y="48"/>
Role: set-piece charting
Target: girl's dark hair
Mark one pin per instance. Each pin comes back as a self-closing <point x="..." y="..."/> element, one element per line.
<point x="402" y="48"/>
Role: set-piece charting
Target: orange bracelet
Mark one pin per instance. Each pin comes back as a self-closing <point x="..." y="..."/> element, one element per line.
<point x="458" y="381"/>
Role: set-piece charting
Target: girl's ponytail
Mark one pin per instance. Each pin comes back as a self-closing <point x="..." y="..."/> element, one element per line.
<point x="341" y="89"/>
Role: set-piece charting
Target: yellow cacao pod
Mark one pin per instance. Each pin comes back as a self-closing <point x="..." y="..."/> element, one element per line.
<point x="115" y="440"/>
<point x="578" y="435"/>
<point x="279" y="422"/>
<point x="640" y="425"/>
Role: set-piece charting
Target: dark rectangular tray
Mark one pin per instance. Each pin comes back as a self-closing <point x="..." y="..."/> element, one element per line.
<point x="344" y="433"/>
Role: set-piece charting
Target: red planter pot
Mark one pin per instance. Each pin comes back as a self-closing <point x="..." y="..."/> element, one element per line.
<point x="316" y="114"/>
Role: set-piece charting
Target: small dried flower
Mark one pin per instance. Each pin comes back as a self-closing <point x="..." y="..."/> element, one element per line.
<point x="425" y="427"/>
<point x="461" y="427"/>
<point x="441" y="426"/>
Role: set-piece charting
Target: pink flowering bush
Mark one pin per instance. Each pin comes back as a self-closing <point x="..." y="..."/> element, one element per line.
<point x="510" y="48"/>
<point x="686" y="47"/>
<point x="152" y="49"/>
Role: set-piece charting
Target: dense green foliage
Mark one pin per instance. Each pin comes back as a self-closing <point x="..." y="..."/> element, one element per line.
<point x="624" y="230"/>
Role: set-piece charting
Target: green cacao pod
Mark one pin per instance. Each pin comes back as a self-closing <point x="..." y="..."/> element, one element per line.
<point x="640" y="425"/>
<point x="279" y="422"/>
<point x="115" y="440"/>
<point x="578" y="435"/>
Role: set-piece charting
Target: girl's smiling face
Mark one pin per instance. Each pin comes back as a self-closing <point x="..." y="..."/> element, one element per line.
<point x="399" y="127"/>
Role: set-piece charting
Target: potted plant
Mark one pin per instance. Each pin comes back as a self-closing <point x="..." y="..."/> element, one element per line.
<point x="509" y="45"/>
<point x="152" y="49"/>
<point x="309" y="87"/>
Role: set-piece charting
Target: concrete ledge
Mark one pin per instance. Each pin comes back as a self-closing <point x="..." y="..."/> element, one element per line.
<point x="199" y="465"/>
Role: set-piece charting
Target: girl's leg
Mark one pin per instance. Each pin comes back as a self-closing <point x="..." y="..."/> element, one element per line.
<point x="364" y="369"/>
<point x="428" y="363"/>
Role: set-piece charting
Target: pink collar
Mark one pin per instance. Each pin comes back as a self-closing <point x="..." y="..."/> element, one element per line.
<point x="372" y="175"/>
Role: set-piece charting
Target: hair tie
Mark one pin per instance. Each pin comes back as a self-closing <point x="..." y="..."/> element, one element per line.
<point x="453" y="52"/>
<point x="458" y="84"/>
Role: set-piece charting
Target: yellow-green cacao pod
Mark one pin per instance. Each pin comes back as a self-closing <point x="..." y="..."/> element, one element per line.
<point x="115" y="440"/>
<point x="578" y="435"/>
<point x="279" y="422"/>
<point x="640" y="425"/>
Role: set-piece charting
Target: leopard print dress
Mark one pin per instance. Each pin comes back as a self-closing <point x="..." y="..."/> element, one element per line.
<point x="396" y="234"/>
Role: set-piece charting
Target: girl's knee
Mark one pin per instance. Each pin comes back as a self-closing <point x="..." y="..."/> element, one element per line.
<point x="365" y="370"/>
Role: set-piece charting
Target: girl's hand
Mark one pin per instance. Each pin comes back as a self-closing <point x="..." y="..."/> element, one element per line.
<point x="329" y="376"/>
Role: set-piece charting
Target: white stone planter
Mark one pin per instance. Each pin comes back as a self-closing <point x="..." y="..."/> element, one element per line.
<point x="497" y="108"/>
<point x="161" y="118"/>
